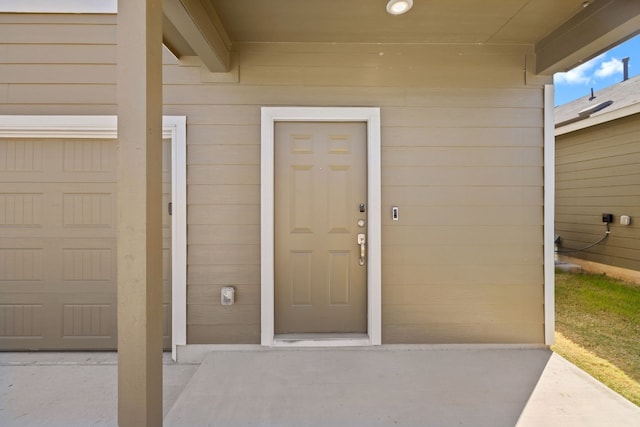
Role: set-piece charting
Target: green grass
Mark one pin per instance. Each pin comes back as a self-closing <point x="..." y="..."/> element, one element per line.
<point x="601" y="369"/>
<point x="601" y="315"/>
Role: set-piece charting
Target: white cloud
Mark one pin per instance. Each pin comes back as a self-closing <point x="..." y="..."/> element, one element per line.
<point x="582" y="74"/>
<point x="609" y="68"/>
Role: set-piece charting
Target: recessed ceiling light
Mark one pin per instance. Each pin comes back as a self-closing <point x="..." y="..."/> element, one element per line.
<point x="398" y="7"/>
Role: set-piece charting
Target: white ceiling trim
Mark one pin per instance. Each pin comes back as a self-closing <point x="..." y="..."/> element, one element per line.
<point x="59" y="6"/>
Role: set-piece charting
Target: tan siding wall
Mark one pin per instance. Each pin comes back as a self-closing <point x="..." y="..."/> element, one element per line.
<point x="597" y="172"/>
<point x="461" y="156"/>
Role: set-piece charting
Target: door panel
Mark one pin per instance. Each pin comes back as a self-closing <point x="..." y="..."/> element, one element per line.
<point x="320" y="183"/>
<point x="58" y="244"/>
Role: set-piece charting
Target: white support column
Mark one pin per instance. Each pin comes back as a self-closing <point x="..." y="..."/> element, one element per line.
<point x="139" y="80"/>
<point x="549" y="217"/>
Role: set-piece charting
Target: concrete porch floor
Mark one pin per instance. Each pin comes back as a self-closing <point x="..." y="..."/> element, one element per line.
<point x="385" y="386"/>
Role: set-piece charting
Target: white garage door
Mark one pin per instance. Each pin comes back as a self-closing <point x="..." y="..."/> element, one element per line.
<point x="58" y="244"/>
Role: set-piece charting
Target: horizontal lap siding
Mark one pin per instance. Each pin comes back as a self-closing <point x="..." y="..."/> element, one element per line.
<point x="461" y="157"/>
<point x="464" y="262"/>
<point x="57" y="64"/>
<point x="597" y="172"/>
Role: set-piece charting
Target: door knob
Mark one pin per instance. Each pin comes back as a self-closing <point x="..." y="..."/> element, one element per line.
<point x="362" y="240"/>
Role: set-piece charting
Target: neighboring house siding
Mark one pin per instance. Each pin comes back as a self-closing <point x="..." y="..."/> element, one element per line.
<point x="597" y="172"/>
<point x="462" y="154"/>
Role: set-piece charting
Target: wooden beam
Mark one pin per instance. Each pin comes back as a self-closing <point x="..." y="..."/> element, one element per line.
<point x="598" y="27"/>
<point x="197" y="25"/>
<point x="139" y="92"/>
<point x="174" y="41"/>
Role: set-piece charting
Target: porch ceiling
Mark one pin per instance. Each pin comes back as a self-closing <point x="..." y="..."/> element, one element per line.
<point x="366" y="21"/>
<point x="566" y="31"/>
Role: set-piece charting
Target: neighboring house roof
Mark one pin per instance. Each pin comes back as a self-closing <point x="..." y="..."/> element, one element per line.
<point x="613" y="102"/>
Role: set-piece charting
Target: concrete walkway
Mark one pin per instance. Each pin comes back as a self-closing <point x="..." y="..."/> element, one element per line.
<point x="388" y="386"/>
<point x="71" y="389"/>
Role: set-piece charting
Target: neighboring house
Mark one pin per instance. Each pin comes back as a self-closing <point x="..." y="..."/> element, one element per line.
<point x="597" y="172"/>
<point x="355" y="177"/>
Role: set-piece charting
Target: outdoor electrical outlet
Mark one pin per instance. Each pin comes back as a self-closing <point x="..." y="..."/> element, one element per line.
<point x="227" y="295"/>
<point x="608" y="218"/>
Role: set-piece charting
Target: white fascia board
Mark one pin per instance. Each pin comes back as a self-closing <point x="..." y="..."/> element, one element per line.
<point x="58" y="126"/>
<point x="59" y="6"/>
<point x="599" y="119"/>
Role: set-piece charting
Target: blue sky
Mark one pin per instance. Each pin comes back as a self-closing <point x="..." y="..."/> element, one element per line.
<point x="602" y="71"/>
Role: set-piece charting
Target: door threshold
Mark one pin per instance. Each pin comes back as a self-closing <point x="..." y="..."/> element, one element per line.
<point x="321" y="340"/>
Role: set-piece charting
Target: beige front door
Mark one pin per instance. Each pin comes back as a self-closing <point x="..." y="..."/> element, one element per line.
<point x="320" y="211"/>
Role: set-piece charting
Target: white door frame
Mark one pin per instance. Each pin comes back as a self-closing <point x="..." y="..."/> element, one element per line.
<point x="370" y="116"/>
<point x="106" y="127"/>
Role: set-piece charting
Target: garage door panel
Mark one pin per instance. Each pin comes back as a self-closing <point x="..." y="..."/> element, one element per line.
<point x="81" y="321"/>
<point x="27" y="155"/>
<point x="73" y="179"/>
<point x="58" y="321"/>
<point x="22" y="317"/>
<point x="55" y="187"/>
<point x="58" y="244"/>
<point x="30" y="160"/>
<point x="54" y="212"/>
<point x="87" y="319"/>
<point x="61" y="178"/>
<point x="20" y="208"/>
<point x="88" y="210"/>
<point x="89" y="263"/>
<point x="21" y="264"/>
<point x="89" y="155"/>
<point x="23" y="290"/>
<point x="42" y="234"/>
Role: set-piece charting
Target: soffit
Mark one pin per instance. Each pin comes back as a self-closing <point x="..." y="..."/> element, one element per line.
<point x="366" y="21"/>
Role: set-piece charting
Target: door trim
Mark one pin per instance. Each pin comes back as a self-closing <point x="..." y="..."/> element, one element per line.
<point x="370" y="116"/>
<point x="174" y="128"/>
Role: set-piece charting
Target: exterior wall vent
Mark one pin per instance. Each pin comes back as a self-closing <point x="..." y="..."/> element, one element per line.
<point x="585" y="113"/>
<point x="594" y="109"/>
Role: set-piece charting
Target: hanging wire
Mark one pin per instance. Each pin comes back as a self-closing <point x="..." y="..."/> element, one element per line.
<point x="569" y="250"/>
